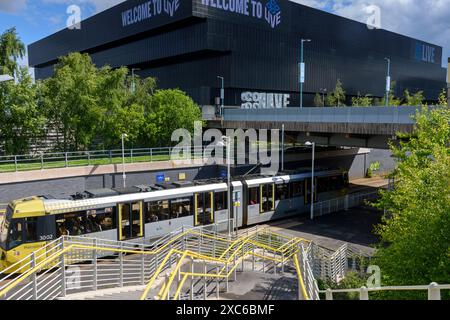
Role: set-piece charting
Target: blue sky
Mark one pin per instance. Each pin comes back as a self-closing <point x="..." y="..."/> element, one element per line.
<point x="427" y="20"/>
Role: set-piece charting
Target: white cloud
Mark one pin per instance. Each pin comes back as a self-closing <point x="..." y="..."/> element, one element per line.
<point x="427" y="20"/>
<point x="12" y="6"/>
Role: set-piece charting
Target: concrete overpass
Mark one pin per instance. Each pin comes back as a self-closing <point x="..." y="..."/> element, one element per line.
<point x="368" y="127"/>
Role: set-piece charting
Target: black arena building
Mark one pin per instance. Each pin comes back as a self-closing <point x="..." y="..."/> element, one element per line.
<point x="253" y="45"/>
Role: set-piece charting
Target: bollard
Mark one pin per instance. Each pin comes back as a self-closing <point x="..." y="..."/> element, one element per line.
<point x="434" y="293"/>
<point x="363" y="293"/>
<point x="329" y="294"/>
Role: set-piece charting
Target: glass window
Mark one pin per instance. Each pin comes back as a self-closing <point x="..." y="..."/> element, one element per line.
<point x="72" y="224"/>
<point x="31" y="229"/>
<point x="157" y="211"/>
<point x="16" y="231"/>
<point x="98" y="222"/>
<point x="281" y="192"/>
<point x="220" y="200"/>
<point x="253" y="196"/>
<point x="297" y="189"/>
<point x="267" y="201"/>
<point x="181" y="208"/>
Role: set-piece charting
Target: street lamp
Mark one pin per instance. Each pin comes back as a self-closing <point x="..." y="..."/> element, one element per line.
<point x="133" y="84"/>
<point x="313" y="145"/>
<point x="222" y="94"/>
<point x="388" y="80"/>
<point x="302" y="71"/>
<point x="226" y="142"/>
<point x="323" y="90"/>
<point x="124" y="176"/>
<point x="6" y="77"/>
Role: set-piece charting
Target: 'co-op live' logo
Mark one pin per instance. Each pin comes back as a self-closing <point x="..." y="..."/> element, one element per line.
<point x="273" y="13"/>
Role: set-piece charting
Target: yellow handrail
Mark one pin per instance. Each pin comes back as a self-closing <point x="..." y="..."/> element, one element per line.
<point x="300" y="277"/>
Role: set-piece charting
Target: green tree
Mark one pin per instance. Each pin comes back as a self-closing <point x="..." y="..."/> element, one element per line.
<point x="318" y="100"/>
<point x="11" y="49"/>
<point x="22" y="122"/>
<point x="362" y="101"/>
<point x="413" y="100"/>
<point x="415" y="246"/>
<point x="337" y="97"/>
<point x="72" y="104"/>
<point x="442" y="100"/>
<point x="171" y="110"/>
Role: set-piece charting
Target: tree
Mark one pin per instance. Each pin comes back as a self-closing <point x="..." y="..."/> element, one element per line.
<point x="171" y="110"/>
<point x="415" y="246"/>
<point x="337" y="97"/>
<point x="442" y="100"/>
<point x="318" y="100"/>
<point x="362" y="101"/>
<point x="21" y="119"/>
<point x="415" y="100"/>
<point x="11" y="49"/>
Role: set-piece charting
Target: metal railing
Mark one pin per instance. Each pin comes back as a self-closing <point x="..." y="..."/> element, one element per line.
<point x="343" y="203"/>
<point x="52" y="160"/>
<point x="434" y="290"/>
<point x="221" y="263"/>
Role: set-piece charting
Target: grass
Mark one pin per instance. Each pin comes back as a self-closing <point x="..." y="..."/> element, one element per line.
<point x="48" y="164"/>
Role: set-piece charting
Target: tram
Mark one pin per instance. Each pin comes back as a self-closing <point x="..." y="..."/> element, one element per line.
<point x="153" y="211"/>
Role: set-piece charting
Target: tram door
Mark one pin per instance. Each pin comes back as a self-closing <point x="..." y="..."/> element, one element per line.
<point x="204" y="208"/>
<point x="130" y="221"/>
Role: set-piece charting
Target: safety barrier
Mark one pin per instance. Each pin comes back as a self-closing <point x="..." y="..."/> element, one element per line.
<point x="72" y="265"/>
<point x="434" y="290"/>
<point x="222" y="264"/>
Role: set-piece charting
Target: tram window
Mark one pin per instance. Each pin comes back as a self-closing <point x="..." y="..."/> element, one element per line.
<point x="281" y="192"/>
<point x="297" y="189"/>
<point x="220" y="200"/>
<point x="209" y="208"/>
<point x="181" y="208"/>
<point x="323" y="185"/>
<point x="253" y="196"/>
<point x="99" y="222"/>
<point x="15" y="234"/>
<point x="267" y="198"/>
<point x="157" y="211"/>
<point x="31" y="229"/>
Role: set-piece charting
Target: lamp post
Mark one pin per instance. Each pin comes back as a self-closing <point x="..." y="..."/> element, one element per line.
<point x="388" y="80"/>
<point x="124" y="176"/>
<point x="222" y="94"/>
<point x="302" y="71"/>
<point x="226" y="141"/>
<point x="323" y="90"/>
<point x="313" y="145"/>
<point x="133" y="84"/>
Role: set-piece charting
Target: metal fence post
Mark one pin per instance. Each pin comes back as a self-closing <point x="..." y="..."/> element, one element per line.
<point x="15" y="163"/>
<point x="434" y="293"/>
<point x="34" y="279"/>
<point x="94" y="257"/>
<point x="66" y="160"/>
<point x="42" y="161"/>
<point x="235" y="267"/>
<point x="192" y="279"/>
<point x="63" y="271"/>
<point x="143" y="265"/>
<point x="121" y="266"/>
<point x="217" y="284"/>
<point x="205" y="283"/>
<point x="131" y="155"/>
<point x="151" y="155"/>
<point x="110" y="157"/>
<point x="89" y="158"/>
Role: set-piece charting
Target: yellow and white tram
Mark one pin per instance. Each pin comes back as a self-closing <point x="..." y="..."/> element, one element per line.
<point x="153" y="211"/>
